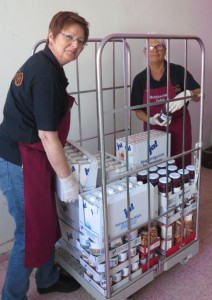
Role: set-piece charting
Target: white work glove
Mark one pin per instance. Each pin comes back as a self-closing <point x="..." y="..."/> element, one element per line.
<point x="176" y="105"/>
<point x="155" y="121"/>
<point x="70" y="189"/>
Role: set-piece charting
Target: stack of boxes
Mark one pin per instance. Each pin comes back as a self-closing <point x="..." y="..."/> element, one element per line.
<point x="82" y="222"/>
<point x="84" y="168"/>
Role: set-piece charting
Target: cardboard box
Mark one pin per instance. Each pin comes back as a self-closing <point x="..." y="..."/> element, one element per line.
<point x="71" y="249"/>
<point x="113" y="167"/>
<point x="177" y="198"/>
<point x="91" y="210"/>
<point x="69" y="213"/>
<point x="177" y="215"/>
<point x="69" y="239"/>
<point x="69" y="234"/>
<point x="138" y="150"/>
<point x="112" y="253"/>
<point x="83" y="166"/>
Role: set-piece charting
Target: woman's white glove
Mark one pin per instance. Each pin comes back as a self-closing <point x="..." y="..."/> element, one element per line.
<point x="176" y="105"/>
<point x="70" y="189"/>
<point x="154" y="121"/>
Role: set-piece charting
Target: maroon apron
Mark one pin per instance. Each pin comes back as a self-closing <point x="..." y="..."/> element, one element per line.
<point x="42" y="229"/>
<point x="176" y="126"/>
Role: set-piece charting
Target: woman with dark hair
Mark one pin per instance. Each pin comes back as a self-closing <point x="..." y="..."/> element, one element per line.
<point x="32" y="136"/>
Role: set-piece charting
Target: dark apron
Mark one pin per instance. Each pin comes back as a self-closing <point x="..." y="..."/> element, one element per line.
<point x="176" y="126"/>
<point x="42" y="229"/>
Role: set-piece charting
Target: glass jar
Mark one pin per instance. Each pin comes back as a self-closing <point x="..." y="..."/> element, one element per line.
<point x="171" y="162"/>
<point x="154" y="178"/>
<point x="153" y="169"/>
<point x="164" y="116"/>
<point x="142" y="176"/>
<point x="176" y="182"/>
<point x="165" y="186"/>
<point x="162" y="172"/>
<point x="185" y="177"/>
<point x="162" y="165"/>
<point x="172" y="168"/>
<point x="191" y="170"/>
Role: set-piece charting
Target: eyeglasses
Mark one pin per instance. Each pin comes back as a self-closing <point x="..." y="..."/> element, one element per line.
<point x="157" y="48"/>
<point x="71" y="39"/>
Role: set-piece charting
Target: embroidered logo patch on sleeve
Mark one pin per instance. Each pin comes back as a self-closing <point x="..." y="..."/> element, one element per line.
<point x="18" y="78"/>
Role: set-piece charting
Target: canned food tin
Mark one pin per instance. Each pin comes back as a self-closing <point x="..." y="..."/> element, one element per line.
<point x="122" y="256"/>
<point x="166" y="244"/>
<point x="117" y="277"/>
<point x="166" y="231"/>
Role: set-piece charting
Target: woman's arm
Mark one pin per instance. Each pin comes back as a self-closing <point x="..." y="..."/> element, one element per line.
<point x="141" y="115"/>
<point x="55" y="153"/>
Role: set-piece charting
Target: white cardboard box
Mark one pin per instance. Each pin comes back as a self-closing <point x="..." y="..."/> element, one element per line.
<point x="68" y="212"/>
<point x="91" y="211"/>
<point x="138" y="150"/>
<point x="112" y="253"/>
<point x="113" y="167"/>
<point x="177" y="198"/>
<point x="71" y="249"/>
<point x="83" y="166"/>
<point x="69" y="234"/>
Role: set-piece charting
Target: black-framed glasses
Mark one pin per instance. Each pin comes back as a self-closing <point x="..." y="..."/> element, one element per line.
<point x="157" y="48"/>
<point x="71" y="39"/>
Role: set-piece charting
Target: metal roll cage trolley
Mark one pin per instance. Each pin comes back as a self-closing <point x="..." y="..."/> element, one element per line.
<point x="187" y="247"/>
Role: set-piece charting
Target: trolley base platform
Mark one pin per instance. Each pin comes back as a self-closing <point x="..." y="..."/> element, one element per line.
<point x="73" y="267"/>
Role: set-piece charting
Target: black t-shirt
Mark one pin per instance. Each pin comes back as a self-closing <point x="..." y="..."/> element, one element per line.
<point x="177" y="75"/>
<point x="36" y="100"/>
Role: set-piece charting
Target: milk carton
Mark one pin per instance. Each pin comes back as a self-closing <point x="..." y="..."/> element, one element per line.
<point x="139" y="150"/>
<point x="91" y="209"/>
<point x="83" y="166"/>
<point x="113" y="167"/>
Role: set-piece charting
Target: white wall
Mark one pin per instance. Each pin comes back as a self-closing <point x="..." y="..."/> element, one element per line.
<point x="24" y="22"/>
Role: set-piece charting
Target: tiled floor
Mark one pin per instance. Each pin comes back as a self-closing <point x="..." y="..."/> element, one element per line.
<point x="191" y="281"/>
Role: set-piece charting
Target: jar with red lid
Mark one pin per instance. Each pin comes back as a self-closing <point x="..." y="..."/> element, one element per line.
<point x="176" y="182"/>
<point x="165" y="186"/>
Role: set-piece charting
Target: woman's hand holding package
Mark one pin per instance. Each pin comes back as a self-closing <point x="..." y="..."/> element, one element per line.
<point x="176" y="105"/>
<point x="70" y="189"/>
